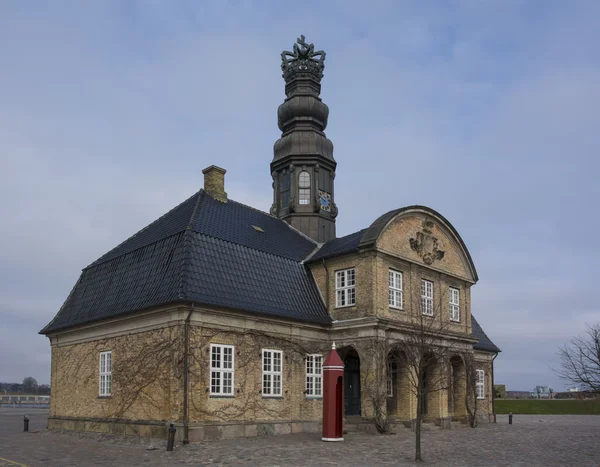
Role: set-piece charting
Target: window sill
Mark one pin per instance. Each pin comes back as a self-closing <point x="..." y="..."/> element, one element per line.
<point x="105" y="397"/>
<point x="345" y="306"/>
<point x="396" y="308"/>
<point x="272" y="397"/>
<point x="221" y="396"/>
<point x="314" y="398"/>
<point x="429" y="316"/>
<point x="455" y="321"/>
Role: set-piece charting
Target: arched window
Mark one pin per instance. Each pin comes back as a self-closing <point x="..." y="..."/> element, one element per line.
<point x="304" y="187"/>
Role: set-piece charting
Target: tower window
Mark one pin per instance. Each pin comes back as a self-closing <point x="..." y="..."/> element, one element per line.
<point x="304" y="187"/>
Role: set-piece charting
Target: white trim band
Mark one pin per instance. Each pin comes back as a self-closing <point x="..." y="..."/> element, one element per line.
<point x="332" y="439"/>
<point x="333" y="367"/>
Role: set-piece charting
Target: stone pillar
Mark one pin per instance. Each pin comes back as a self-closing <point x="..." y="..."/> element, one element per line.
<point x="437" y="394"/>
<point x="407" y="399"/>
<point x="459" y="386"/>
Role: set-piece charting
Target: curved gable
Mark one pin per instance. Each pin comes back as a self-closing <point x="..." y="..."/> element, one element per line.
<point x="421" y="234"/>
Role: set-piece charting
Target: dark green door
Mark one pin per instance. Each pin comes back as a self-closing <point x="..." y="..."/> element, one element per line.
<point x="352" y="385"/>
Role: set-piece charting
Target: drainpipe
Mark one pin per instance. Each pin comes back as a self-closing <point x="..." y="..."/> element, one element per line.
<point x="326" y="286"/>
<point x="186" y="338"/>
<point x="493" y="390"/>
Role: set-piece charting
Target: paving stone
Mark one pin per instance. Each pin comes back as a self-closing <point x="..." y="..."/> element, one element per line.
<point x="532" y="440"/>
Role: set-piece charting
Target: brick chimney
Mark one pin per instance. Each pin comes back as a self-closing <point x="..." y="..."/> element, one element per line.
<point x="214" y="182"/>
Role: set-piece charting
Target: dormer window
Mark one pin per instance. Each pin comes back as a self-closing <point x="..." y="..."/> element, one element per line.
<point x="304" y="187"/>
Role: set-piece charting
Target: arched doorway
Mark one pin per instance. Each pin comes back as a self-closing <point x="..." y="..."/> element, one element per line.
<point x="351" y="382"/>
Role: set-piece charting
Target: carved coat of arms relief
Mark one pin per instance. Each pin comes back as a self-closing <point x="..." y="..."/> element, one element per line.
<point x="428" y="247"/>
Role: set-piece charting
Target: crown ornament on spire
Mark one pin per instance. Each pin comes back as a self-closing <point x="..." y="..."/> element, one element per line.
<point x="303" y="62"/>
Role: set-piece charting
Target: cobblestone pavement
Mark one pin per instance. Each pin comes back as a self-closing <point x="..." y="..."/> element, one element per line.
<point x="544" y="440"/>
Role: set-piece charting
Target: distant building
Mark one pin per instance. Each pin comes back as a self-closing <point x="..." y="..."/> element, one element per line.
<point x="23" y="399"/>
<point x="542" y="392"/>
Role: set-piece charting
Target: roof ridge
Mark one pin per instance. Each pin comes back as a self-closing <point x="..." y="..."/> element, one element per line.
<point x="194" y="215"/>
<point x="139" y="232"/>
<point x="187" y="254"/>
<point x="298" y="232"/>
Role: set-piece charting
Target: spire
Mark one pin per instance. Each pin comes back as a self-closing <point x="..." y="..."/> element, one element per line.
<point x="303" y="110"/>
<point x="303" y="167"/>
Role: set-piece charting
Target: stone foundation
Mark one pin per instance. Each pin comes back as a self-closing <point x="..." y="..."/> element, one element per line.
<point x="197" y="432"/>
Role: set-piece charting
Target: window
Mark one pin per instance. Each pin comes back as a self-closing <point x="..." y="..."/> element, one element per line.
<point x="105" y="373"/>
<point x="480" y="384"/>
<point x="390" y="377"/>
<point x="427" y="297"/>
<point x="314" y="375"/>
<point x="304" y="187"/>
<point x="271" y="373"/>
<point x="454" y="304"/>
<point x="345" y="287"/>
<point x="395" y="292"/>
<point x="221" y="370"/>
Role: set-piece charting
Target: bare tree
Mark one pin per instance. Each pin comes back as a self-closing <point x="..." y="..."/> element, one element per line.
<point x="580" y="360"/>
<point x="425" y="355"/>
<point x="375" y="376"/>
<point x="471" y="390"/>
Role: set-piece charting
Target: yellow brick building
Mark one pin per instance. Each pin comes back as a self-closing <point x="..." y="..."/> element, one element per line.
<point x="217" y="317"/>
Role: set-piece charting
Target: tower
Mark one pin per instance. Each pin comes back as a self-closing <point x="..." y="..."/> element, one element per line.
<point x="303" y="167"/>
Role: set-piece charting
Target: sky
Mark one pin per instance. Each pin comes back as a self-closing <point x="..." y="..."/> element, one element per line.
<point x="486" y="112"/>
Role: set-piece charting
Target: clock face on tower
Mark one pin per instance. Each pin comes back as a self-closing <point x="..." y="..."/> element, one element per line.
<point x="325" y="199"/>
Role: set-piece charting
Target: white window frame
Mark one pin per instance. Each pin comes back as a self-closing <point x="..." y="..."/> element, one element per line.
<point x="304" y="188"/>
<point x="390" y="379"/>
<point x="221" y="370"/>
<point x="105" y="374"/>
<point x="427" y="297"/>
<point x="345" y="288"/>
<point x="395" y="298"/>
<point x="454" y="304"/>
<point x="314" y="375"/>
<point x="480" y="384"/>
<point x="270" y="374"/>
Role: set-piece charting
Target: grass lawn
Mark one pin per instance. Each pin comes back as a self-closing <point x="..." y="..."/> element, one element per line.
<point x="548" y="407"/>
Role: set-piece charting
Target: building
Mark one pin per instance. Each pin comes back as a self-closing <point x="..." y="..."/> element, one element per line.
<point x="217" y="316"/>
<point x="542" y="392"/>
<point x="23" y="400"/>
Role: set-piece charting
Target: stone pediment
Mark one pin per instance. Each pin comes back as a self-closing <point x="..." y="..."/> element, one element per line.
<point x="426" y="239"/>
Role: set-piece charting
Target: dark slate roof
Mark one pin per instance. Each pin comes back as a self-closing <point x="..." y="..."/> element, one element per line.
<point x="204" y="251"/>
<point x="339" y="246"/>
<point x="485" y="342"/>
